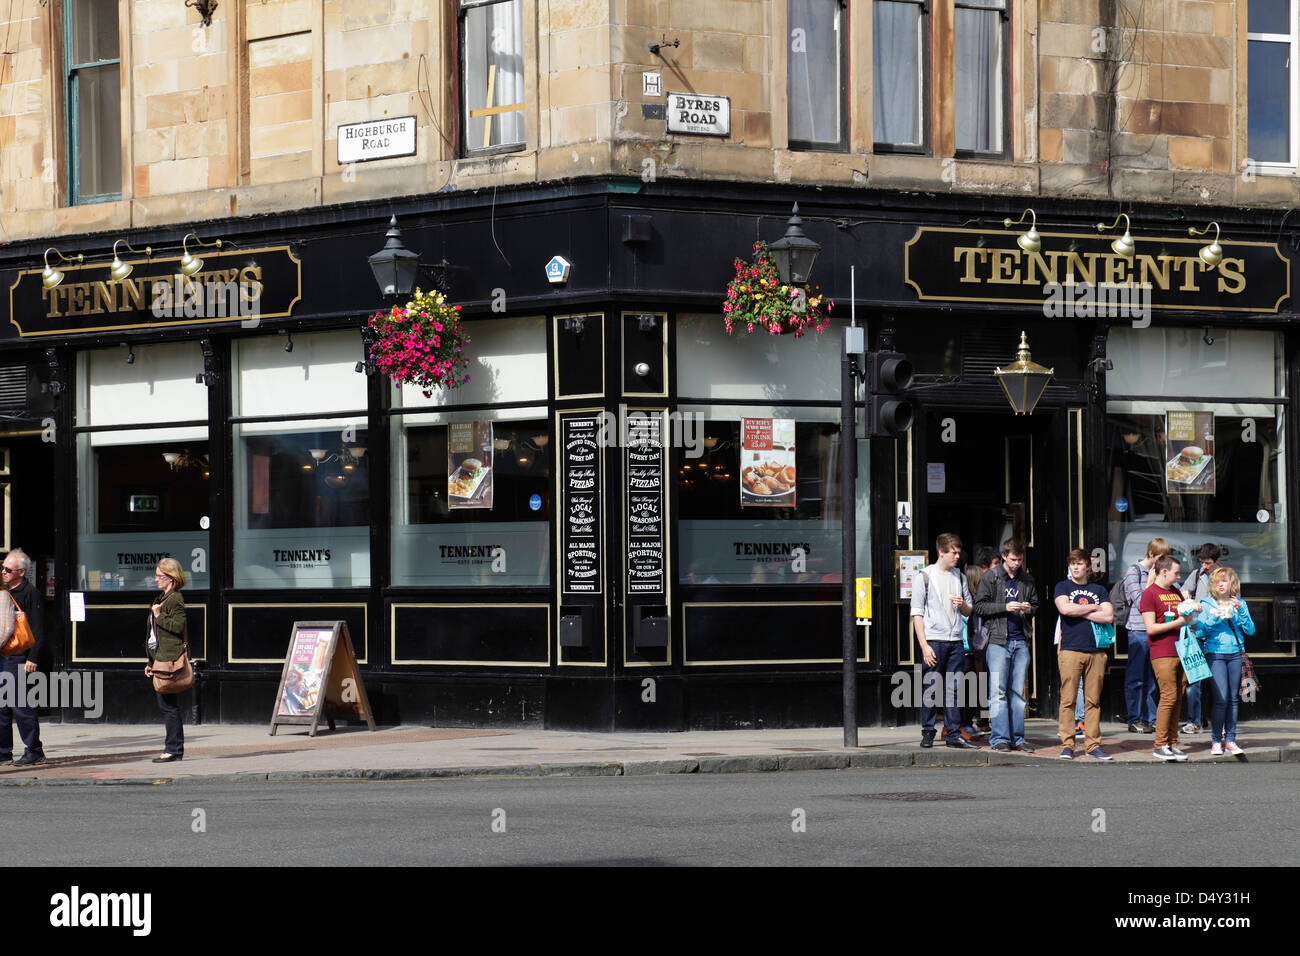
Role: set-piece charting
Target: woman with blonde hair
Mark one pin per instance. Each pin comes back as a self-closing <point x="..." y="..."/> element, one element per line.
<point x="166" y="644"/>
<point x="1222" y="625"/>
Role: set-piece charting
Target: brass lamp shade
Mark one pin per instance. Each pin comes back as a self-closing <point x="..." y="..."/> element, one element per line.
<point x="1024" y="381"/>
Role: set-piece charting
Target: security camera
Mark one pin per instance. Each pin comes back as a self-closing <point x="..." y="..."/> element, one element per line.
<point x="1208" y="337"/>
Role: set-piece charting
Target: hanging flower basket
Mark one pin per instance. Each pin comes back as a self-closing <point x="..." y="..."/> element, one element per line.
<point x="756" y="298"/>
<point x="422" y="343"/>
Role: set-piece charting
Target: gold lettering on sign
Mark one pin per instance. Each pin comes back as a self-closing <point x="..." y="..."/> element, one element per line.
<point x="971" y="252"/>
<point x="1003" y="260"/>
<point x="1150" y="270"/>
<point x="1226" y="272"/>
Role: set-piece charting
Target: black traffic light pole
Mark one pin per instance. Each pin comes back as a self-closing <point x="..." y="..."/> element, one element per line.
<point x="848" y="537"/>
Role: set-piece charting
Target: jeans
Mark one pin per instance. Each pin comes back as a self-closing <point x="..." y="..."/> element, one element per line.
<point x="1139" y="682"/>
<point x="29" y="728"/>
<point x="170" y="706"/>
<point x="1225" y="681"/>
<point x="1008" y="666"/>
<point x="1193" y="698"/>
<point x="1078" y="704"/>
<point x="949" y="659"/>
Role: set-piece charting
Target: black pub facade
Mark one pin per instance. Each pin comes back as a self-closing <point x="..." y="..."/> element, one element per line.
<point x="619" y="576"/>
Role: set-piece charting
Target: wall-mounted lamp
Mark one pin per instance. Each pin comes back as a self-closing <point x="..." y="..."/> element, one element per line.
<point x="794" y="253"/>
<point x="119" y="270"/>
<point x="51" y="277"/>
<point x="130" y="353"/>
<point x="663" y="42"/>
<point x="189" y="264"/>
<point x="395" y="267"/>
<point x="1029" y="241"/>
<point x="1124" y="245"/>
<point x="1208" y="336"/>
<point x="1212" y="254"/>
<point x="1024" y="380"/>
<point x="288" y="340"/>
<point x="206" y="9"/>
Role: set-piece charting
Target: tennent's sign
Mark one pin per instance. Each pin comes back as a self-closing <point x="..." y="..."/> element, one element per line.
<point x="971" y="265"/>
<point x="238" y="286"/>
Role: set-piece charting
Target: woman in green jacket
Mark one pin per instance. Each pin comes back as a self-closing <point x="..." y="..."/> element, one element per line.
<point x="166" y="644"/>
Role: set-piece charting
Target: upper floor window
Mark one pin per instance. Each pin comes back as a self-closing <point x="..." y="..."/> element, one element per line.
<point x="492" y="74"/>
<point x="1271" y="81"/>
<point x="815" y="73"/>
<point x="980" y="50"/>
<point x="900" y="31"/>
<point x="93" y="94"/>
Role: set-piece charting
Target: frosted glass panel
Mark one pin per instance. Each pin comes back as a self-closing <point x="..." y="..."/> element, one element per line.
<point x="760" y="366"/>
<point x="319" y="375"/>
<point x="1179" y="364"/>
<point x="507" y="363"/>
<point x="158" y="386"/>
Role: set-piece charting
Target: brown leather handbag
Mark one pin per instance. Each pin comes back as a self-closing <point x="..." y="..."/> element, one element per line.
<point x="172" y="677"/>
<point x="21" y="640"/>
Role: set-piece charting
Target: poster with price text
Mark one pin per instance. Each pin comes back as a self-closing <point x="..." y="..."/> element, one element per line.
<point x="767" y="468"/>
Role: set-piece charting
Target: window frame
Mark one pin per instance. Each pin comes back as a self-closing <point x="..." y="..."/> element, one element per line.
<point x="1004" y="14"/>
<point x="72" y="110"/>
<point x="464" y="149"/>
<point x="1293" y="40"/>
<point x="841" y="145"/>
<point x="924" y="148"/>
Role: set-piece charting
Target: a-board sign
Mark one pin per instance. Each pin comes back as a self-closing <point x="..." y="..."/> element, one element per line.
<point x="320" y="678"/>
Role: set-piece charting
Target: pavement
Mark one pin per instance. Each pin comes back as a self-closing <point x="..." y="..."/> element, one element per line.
<point x="122" y="753"/>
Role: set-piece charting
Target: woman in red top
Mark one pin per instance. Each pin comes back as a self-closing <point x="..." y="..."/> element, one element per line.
<point x="1159" y="608"/>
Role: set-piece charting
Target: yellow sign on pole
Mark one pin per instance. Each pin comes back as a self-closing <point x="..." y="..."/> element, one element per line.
<point x="864" y="598"/>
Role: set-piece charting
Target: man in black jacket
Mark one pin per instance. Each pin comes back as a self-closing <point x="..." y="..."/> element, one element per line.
<point x="17" y="569"/>
<point x="1006" y="603"/>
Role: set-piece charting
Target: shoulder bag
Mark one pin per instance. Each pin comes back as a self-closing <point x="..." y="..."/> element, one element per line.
<point x="1249" y="686"/>
<point x="21" y="640"/>
<point x="173" y="677"/>
<point x="1191" y="656"/>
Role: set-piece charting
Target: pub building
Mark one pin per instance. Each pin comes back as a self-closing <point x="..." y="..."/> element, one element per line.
<point x="618" y="574"/>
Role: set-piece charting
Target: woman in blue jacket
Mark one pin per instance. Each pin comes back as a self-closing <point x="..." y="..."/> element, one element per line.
<point x="1222" y="625"/>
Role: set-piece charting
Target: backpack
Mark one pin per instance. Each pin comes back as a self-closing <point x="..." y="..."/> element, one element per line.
<point x="1119" y="599"/>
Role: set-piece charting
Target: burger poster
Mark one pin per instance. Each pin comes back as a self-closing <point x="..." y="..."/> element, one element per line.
<point x="469" y="465"/>
<point x="767" y="473"/>
<point x="1189" y="453"/>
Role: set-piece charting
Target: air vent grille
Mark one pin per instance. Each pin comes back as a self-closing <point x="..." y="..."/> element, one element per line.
<point x="13" y="387"/>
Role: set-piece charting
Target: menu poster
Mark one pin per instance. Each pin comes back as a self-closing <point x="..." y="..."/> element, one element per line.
<point x="767" y="472"/>
<point x="469" y="465"/>
<point x="909" y="565"/>
<point x="580" y="504"/>
<point x="1189" y="453"/>
<point x="305" y="674"/>
<point x="645" y="508"/>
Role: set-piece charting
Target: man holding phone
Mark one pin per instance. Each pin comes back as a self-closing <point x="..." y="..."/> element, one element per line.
<point x="941" y="603"/>
<point x="1006" y="603"/>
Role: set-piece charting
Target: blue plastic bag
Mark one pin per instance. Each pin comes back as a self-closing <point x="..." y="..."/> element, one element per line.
<point x="1192" y="657"/>
<point x="1103" y="634"/>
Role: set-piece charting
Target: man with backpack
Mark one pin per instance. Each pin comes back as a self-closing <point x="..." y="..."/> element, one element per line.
<point x="1139" y="680"/>
<point x="941" y="604"/>
<point x="1197" y="588"/>
<point x="1006" y="604"/>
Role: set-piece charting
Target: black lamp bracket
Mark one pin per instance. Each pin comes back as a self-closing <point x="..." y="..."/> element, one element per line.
<point x="206" y="9"/>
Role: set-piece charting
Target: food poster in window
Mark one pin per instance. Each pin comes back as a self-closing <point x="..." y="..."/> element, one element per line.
<point x="1189" y="453"/>
<point x="469" y="465"/>
<point x="767" y="471"/>
<point x="306" y="672"/>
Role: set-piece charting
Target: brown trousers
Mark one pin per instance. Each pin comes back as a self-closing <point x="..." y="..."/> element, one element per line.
<point x="1092" y="667"/>
<point x="1173" y="684"/>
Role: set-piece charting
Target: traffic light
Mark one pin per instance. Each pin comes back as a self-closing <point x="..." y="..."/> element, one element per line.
<point x="889" y="413"/>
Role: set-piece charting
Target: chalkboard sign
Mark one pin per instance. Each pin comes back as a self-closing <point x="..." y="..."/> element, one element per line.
<point x="320" y="678"/>
<point x="645" y="506"/>
<point x="580" y="483"/>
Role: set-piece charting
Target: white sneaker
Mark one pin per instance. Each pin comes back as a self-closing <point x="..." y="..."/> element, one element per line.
<point x="1164" y="753"/>
<point x="1232" y="748"/>
<point x="1179" y="753"/>
<point x="1216" y="750"/>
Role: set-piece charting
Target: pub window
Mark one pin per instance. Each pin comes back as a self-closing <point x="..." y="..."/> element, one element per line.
<point x="471" y="478"/>
<point x="981" y="33"/>
<point x="1196" y="447"/>
<point x="301" y="463"/>
<point x="492" y="74"/>
<point x="142" y="467"/>
<point x="900" y="35"/>
<point x="93" y="100"/>
<point x="815" y="73"/>
<point x="731" y="531"/>
<point x="1271" y="81"/>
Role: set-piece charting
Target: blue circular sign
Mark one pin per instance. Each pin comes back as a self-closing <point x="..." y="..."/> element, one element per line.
<point x="535" y="502"/>
<point x="1121" y="505"/>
